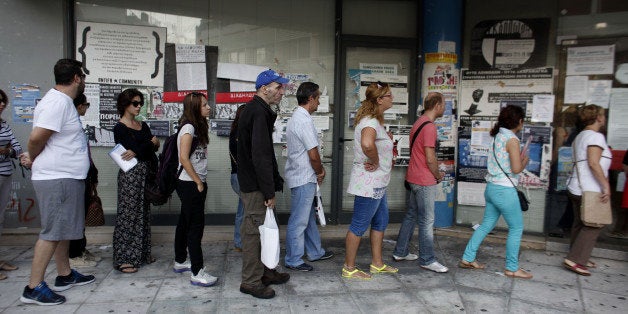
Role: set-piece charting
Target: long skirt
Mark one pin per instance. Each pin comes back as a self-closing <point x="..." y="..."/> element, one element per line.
<point x="131" y="236"/>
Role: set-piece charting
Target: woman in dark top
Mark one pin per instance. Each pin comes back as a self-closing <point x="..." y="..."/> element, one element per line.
<point x="131" y="236"/>
<point x="233" y="155"/>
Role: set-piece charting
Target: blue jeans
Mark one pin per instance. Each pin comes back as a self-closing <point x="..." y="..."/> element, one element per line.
<point x="369" y="211"/>
<point x="420" y="211"/>
<point x="302" y="232"/>
<point x="235" y="185"/>
<point x="500" y="200"/>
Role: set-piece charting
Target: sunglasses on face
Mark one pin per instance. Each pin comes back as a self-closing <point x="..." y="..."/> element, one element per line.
<point x="86" y="104"/>
<point x="137" y="103"/>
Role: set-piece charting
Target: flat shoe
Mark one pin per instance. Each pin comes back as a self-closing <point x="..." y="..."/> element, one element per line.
<point x="471" y="265"/>
<point x="577" y="268"/>
<point x="6" y="266"/>
<point x="522" y="274"/>
<point x="127" y="269"/>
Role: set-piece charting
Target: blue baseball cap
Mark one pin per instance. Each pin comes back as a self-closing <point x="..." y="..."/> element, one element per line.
<point x="268" y="77"/>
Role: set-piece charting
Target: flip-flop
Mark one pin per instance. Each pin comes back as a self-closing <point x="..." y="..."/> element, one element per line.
<point x="355" y="274"/>
<point x="6" y="266"/>
<point x="591" y="264"/>
<point x="471" y="265"/>
<point x="129" y="269"/>
<point x="384" y="269"/>
<point x="577" y="268"/>
<point x="3" y="276"/>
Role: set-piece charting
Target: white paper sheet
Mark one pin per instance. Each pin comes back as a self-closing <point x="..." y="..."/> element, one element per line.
<point x="324" y="104"/>
<point x="618" y="119"/>
<point x="599" y="92"/>
<point x="116" y="155"/>
<point x="576" y="89"/>
<point x="241" y="86"/>
<point x="543" y="108"/>
<point x="242" y="72"/>
<point x="191" y="76"/>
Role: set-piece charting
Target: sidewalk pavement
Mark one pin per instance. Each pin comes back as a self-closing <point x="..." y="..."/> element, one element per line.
<point x="157" y="289"/>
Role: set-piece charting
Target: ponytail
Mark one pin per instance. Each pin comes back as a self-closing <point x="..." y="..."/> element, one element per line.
<point x="495" y="129"/>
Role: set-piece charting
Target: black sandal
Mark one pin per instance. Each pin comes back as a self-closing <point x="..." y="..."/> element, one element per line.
<point x="128" y="269"/>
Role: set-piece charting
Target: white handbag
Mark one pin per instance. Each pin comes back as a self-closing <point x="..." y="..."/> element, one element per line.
<point x="319" y="207"/>
<point x="269" y="237"/>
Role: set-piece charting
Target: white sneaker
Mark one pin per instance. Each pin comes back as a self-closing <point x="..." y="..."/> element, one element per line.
<point x="409" y="257"/>
<point x="203" y="279"/>
<point x="91" y="257"/>
<point x="436" y="267"/>
<point x="81" y="261"/>
<point x="182" y="267"/>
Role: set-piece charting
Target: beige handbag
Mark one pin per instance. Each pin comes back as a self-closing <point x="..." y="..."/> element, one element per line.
<point x="593" y="213"/>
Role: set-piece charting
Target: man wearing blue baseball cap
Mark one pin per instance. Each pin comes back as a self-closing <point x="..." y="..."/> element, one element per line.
<point x="258" y="175"/>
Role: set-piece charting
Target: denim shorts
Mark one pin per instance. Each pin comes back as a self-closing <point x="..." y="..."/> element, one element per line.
<point x="369" y="211"/>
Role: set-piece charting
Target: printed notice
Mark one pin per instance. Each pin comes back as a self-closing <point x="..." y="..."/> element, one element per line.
<point x="576" y="89"/>
<point x="590" y="60"/>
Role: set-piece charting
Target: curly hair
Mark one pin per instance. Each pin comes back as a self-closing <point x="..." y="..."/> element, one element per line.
<point x="192" y="114"/>
<point x="589" y="113"/>
<point x="369" y="105"/>
<point x="125" y="98"/>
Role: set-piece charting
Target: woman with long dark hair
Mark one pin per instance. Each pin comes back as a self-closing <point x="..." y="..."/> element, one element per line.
<point x="504" y="165"/>
<point x="192" y="141"/>
<point x="132" y="234"/>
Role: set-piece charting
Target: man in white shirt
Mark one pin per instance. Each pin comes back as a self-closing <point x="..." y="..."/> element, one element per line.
<point x="57" y="152"/>
<point x="304" y="171"/>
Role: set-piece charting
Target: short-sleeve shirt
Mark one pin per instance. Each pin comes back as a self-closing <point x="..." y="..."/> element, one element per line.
<point x="198" y="158"/>
<point x="65" y="154"/>
<point x="365" y="183"/>
<point x="301" y="136"/>
<point x="418" y="171"/>
<point x="495" y="174"/>
<point x="588" y="182"/>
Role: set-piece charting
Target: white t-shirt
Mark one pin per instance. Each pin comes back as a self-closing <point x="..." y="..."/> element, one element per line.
<point x="365" y="183"/>
<point x="585" y="139"/>
<point x="65" y="155"/>
<point x="198" y="158"/>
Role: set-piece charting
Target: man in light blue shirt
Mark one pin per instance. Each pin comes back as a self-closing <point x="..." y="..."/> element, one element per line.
<point x="304" y="171"/>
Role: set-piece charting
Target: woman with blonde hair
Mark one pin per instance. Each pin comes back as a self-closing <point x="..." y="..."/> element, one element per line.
<point x="593" y="157"/>
<point x="370" y="176"/>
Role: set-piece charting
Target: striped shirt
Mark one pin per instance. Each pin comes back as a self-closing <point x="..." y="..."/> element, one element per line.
<point x="8" y="139"/>
<point x="301" y="136"/>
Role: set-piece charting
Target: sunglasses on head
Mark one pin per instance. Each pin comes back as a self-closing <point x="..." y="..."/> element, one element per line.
<point x="381" y="84"/>
<point x="137" y="103"/>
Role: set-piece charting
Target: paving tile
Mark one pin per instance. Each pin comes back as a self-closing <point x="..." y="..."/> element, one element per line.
<point x="422" y="279"/>
<point x="605" y="282"/>
<point x="600" y="302"/>
<point x="483" y="280"/>
<point x="479" y="301"/>
<point x="10" y="291"/>
<point x="378" y="282"/>
<point x="180" y="288"/>
<point x="542" y="257"/>
<point x="332" y="303"/>
<point x="440" y="300"/>
<point x="133" y="289"/>
<point x="33" y="308"/>
<point x="249" y="304"/>
<point x="312" y="283"/>
<point x="387" y="301"/>
<point x="189" y="307"/>
<point x="527" y="307"/>
<point x="552" y="274"/>
<point x="110" y="307"/>
<point x="553" y="295"/>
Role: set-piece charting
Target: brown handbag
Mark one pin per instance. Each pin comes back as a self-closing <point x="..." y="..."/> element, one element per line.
<point x="95" y="215"/>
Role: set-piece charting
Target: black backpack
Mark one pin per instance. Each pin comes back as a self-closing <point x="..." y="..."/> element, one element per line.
<point x="163" y="182"/>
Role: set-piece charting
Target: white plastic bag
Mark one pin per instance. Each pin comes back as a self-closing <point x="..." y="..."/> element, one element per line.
<point x="319" y="207"/>
<point x="269" y="237"/>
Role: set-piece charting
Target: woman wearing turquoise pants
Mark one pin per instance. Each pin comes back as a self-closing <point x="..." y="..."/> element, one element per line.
<point x="505" y="162"/>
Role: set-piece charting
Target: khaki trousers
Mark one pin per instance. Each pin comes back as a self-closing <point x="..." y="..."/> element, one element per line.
<point x="583" y="238"/>
<point x="254" y="215"/>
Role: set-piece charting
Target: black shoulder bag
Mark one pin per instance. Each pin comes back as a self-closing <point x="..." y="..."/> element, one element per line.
<point x="405" y="182"/>
<point x="523" y="200"/>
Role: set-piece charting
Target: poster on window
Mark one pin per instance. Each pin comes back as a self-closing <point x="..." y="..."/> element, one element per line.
<point x="398" y="86"/>
<point x="121" y="54"/>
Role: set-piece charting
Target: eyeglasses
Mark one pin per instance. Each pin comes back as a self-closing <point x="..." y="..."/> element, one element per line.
<point x="387" y="95"/>
<point x="137" y="103"/>
<point x="86" y="104"/>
